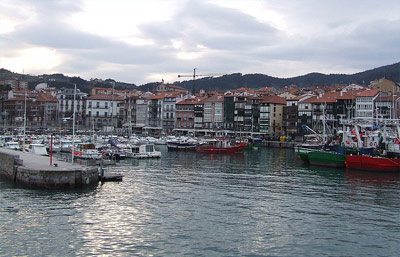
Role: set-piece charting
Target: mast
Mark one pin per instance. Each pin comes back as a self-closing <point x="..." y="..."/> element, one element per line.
<point x="112" y="105"/>
<point x="23" y="140"/>
<point x="73" y="127"/>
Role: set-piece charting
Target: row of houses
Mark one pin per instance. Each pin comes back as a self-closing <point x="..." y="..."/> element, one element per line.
<point x="171" y="108"/>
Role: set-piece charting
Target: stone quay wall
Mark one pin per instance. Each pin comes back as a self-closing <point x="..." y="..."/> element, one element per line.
<point x="11" y="168"/>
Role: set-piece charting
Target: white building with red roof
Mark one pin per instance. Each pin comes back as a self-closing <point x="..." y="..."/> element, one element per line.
<point x="102" y="111"/>
<point x="365" y="106"/>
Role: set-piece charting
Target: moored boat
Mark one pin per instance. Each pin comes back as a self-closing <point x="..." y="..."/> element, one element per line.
<point x="372" y="163"/>
<point x="181" y="146"/>
<point x="327" y="158"/>
<point x="39" y="149"/>
<point x="146" y="151"/>
<point x="220" y="146"/>
<point x="87" y="151"/>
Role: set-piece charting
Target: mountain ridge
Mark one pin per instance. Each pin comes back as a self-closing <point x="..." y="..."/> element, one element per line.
<point x="225" y="82"/>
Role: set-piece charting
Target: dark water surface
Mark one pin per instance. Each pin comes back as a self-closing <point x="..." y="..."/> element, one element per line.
<point x="260" y="203"/>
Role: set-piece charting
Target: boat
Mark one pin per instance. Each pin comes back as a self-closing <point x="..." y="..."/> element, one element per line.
<point x="13" y="145"/>
<point x="220" y="146"/>
<point x="372" y="163"/>
<point x="327" y="158"/>
<point x="87" y="151"/>
<point x="65" y="146"/>
<point x="38" y="149"/>
<point x="146" y="151"/>
<point x="182" y="144"/>
<point x="253" y="142"/>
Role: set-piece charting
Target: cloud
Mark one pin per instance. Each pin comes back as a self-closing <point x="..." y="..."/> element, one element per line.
<point x="299" y="37"/>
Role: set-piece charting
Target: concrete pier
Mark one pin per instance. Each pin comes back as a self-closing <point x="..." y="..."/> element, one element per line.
<point x="35" y="171"/>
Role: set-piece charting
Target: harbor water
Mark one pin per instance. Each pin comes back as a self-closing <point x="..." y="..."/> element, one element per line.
<point x="259" y="203"/>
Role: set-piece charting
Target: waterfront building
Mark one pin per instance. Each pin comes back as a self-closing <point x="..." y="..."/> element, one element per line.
<point x="169" y="106"/>
<point x="46" y="113"/>
<point x="252" y="114"/>
<point x="65" y="98"/>
<point x="142" y="113"/>
<point x="199" y="115"/>
<point x="229" y="109"/>
<point x="128" y="113"/>
<point x="305" y="111"/>
<point x="185" y="113"/>
<point x="156" y="111"/>
<point x="290" y="117"/>
<point x="275" y="106"/>
<point x="346" y="103"/>
<point x="213" y="112"/>
<point x="102" y="112"/>
<point x="365" y="106"/>
<point x="387" y="105"/>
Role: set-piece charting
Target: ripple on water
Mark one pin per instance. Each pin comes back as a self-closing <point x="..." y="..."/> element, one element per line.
<point x="257" y="203"/>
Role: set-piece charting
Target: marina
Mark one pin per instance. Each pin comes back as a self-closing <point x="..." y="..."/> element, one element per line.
<point x="254" y="203"/>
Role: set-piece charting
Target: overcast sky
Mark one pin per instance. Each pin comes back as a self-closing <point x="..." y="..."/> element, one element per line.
<point x="141" y="41"/>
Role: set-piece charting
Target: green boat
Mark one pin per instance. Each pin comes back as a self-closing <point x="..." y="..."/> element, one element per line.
<point x="327" y="158"/>
<point x="302" y="151"/>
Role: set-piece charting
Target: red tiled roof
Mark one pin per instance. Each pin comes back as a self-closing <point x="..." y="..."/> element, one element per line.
<point x="155" y="97"/>
<point x="369" y="93"/>
<point x="274" y="99"/>
<point x="46" y="98"/>
<point x="194" y="100"/>
<point x="214" y="98"/>
<point x="105" y="97"/>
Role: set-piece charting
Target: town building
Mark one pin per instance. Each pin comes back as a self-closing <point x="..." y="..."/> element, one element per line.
<point x="102" y="112"/>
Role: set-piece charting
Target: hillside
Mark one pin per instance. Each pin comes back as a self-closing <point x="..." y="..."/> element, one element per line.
<point x="226" y="82"/>
<point x="312" y="79"/>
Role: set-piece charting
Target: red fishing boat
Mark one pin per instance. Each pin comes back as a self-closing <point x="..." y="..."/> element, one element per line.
<point x="221" y="146"/>
<point x="372" y="163"/>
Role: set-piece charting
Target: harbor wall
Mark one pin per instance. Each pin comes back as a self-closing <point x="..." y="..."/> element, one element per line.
<point x="11" y="168"/>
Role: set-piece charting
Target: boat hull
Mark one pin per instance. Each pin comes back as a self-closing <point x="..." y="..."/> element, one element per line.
<point x="181" y="147"/>
<point x="327" y="159"/>
<point x="219" y="150"/>
<point x="372" y="163"/>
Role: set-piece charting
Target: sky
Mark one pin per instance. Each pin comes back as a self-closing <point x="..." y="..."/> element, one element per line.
<point x="142" y="41"/>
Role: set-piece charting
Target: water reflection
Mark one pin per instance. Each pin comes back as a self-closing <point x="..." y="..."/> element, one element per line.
<point x="256" y="203"/>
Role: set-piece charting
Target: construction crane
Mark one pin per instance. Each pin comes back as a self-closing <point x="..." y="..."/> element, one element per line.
<point x="194" y="76"/>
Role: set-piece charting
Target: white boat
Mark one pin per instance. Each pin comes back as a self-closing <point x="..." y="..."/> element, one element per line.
<point x="13" y="145"/>
<point x="39" y="149"/>
<point x="145" y="151"/>
<point x="87" y="151"/>
<point x="65" y="146"/>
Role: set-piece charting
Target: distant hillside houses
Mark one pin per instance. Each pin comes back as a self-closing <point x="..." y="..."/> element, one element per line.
<point x="265" y="112"/>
